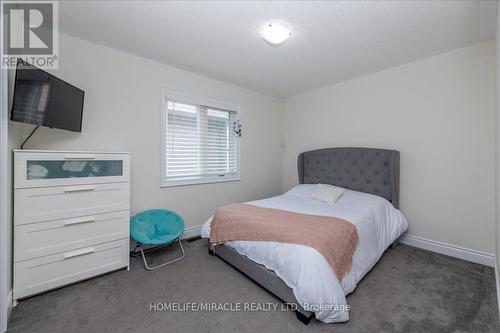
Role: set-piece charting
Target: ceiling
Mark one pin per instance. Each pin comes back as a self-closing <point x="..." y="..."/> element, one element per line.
<point x="331" y="42"/>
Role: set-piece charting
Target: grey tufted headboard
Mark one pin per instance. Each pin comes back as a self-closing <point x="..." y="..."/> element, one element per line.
<point x="368" y="170"/>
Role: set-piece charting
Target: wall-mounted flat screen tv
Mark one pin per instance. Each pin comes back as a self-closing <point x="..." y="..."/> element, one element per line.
<point x="45" y="100"/>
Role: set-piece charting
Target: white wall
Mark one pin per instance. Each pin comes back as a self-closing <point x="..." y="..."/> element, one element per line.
<point x="439" y="113"/>
<point x="122" y="113"/>
<point x="9" y="141"/>
<point x="5" y="198"/>
<point x="497" y="154"/>
<point x="13" y="143"/>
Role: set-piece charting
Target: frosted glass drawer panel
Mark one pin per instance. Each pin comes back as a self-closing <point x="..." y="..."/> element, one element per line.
<point x="40" y="169"/>
<point x="61" y="202"/>
<point x="45" y="238"/>
<point x="44" y="273"/>
<point x="71" y="169"/>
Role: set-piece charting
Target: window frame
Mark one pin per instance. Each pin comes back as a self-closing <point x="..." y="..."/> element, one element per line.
<point x="167" y="94"/>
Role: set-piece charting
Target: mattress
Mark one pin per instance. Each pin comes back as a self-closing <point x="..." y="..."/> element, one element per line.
<point x="304" y="269"/>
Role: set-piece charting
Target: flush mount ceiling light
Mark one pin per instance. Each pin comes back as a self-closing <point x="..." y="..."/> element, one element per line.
<point x="276" y="33"/>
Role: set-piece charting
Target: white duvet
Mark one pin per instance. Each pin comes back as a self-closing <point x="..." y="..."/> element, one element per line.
<point x="304" y="269"/>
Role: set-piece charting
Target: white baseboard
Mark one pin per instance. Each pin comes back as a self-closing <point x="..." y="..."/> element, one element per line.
<point x="478" y="257"/>
<point x="497" y="274"/>
<point x="9" y="304"/>
<point x="192" y="232"/>
<point x="8" y="307"/>
<point x="482" y="258"/>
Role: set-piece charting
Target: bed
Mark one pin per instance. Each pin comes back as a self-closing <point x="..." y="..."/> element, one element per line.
<point x="299" y="274"/>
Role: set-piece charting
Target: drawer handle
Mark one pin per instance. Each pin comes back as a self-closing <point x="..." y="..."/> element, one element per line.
<point x="78" y="220"/>
<point x="80" y="252"/>
<point x="79" y="157"/>
<point x="79" y="188"/>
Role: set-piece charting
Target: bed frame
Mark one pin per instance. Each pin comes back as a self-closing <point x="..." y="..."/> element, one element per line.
<point x="369" y="170"/>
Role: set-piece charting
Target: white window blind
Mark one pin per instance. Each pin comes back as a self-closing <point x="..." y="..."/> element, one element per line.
<point x="201" y="145"/>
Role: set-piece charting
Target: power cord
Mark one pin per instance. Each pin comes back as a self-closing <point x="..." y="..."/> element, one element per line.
<point x="29" y="136"/>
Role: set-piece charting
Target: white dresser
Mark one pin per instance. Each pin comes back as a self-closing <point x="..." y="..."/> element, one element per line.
<point x="71" y="217"/>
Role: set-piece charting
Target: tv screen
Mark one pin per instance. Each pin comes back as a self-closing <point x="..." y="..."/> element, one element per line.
<point x="43" y="99"/>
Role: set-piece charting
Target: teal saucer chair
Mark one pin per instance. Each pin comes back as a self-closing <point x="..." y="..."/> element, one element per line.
<point x="156" y="229"/>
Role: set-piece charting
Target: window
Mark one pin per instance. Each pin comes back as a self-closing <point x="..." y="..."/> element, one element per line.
<point x="199" y="143"/>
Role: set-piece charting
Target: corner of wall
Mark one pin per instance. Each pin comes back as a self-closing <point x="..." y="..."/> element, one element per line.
<point x="5" y="199"/>
<point x="283" y="143"/>
<point x="497" y="153"/>
<point x="13" y="135"/>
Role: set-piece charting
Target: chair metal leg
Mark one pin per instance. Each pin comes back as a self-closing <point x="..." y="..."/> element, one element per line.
<point x="135" y="253"/>
<point x="164" y="264"/>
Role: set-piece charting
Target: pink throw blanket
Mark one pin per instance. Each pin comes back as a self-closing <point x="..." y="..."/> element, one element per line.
<point x="334" y="238"/>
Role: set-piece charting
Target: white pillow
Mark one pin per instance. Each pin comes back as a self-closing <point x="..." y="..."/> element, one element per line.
<point x="327" y="193"/>
<point x="303" y="190"/>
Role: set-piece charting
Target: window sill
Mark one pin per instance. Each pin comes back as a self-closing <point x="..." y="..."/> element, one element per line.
<point x="199" y="181"/>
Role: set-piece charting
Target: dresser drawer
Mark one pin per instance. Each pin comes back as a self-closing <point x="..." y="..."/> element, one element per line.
<point x="62" y="202"/>
<point x="46" y="168"/>
<point x="45" y="238"/>
<point x="40" y="274"/>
